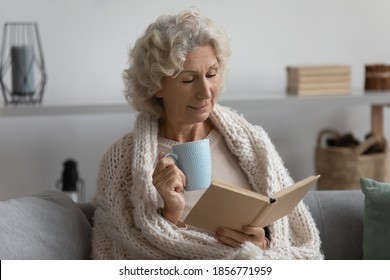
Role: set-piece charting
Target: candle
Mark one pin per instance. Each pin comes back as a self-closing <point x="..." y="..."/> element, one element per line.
<point x="22" y="70"/>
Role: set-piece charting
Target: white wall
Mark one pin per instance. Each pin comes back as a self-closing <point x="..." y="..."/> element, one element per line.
<point x="86" y="42"/>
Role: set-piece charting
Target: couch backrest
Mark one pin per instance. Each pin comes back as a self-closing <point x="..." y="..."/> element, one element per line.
<point x="51" y="226"/>
<point x="44" y="226"/>
<point x="339" y="218"/>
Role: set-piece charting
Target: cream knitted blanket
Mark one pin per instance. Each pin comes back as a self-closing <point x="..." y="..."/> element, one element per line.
<point x="127" y="224"/>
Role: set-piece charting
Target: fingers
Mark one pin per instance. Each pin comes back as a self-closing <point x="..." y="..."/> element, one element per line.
<point x="170" y="179"/>
<point x="227" y="237"/>
<point x="168" y="174"/>
<point x="170" y="182"/>
<point x="163" y="163"/>
<point x="160" y="155"/>
<point x="234" y="238"/>
<point x="231" y="236"/>
<point x="257" y="232"/>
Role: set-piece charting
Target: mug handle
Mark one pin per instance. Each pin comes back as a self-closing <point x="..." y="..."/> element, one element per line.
<point x="172" y="156"/>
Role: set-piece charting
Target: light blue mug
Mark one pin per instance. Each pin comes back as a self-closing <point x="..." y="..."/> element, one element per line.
<point x="194" y="159"/>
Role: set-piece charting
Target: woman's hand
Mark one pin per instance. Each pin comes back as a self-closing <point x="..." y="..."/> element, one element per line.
<point x="170" y="182"/>
<point x="234" y="238"/>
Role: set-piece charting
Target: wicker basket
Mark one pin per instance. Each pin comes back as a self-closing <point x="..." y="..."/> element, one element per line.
<point x="342" y="168"/>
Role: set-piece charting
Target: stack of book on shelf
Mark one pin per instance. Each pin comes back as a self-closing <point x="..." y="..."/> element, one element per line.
<point x="315" y="80"/>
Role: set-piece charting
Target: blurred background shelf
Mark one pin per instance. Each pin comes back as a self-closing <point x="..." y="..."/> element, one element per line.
<point x="246" y="102"/>
<point x="355" y="98"/>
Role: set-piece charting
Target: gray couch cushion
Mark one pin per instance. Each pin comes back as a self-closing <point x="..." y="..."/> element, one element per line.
<point x="339" y="216"/>
<point x="45" y="226"/>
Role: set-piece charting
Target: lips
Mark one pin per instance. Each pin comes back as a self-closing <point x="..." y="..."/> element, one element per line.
<point x="198" y="107"/>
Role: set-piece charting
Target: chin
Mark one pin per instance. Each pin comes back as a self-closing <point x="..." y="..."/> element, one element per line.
<point x="200" y="117"/>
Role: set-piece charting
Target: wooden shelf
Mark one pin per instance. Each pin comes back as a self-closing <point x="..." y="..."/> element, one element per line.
<point x="240" y="103"/>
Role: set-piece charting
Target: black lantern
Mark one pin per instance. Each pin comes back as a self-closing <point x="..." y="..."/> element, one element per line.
<point x="22" y="67"/>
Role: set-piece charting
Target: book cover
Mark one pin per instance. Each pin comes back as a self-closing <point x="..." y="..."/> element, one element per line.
<point x="319" y="91"/>
<point x="318" y="79"/>
<point x="315" y="70"/>
<point x="223" y="205"/>
<point x="318" y="86"/>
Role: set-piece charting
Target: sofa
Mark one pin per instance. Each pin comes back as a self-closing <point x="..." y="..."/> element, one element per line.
<point x="339" y="216"/>
<point x="50" y="225"/>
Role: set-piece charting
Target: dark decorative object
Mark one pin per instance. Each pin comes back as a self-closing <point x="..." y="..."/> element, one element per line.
<point x="377" y="77"/>
<point x="21" y="63"/>
<point x="70" y="182"/>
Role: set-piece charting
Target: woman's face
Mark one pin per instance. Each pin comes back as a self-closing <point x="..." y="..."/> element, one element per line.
<point x="189" y="98"/>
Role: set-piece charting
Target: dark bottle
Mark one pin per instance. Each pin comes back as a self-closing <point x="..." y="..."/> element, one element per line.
<point x="70" y="182"/>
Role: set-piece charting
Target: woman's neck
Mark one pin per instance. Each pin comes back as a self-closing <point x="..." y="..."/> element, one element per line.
<point x="186" y="133"/>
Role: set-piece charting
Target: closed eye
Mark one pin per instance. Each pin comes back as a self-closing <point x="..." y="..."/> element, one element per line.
<point x="188" y="81"/>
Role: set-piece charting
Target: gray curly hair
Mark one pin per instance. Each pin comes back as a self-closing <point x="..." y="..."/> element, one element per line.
<point x="162" y="51"/>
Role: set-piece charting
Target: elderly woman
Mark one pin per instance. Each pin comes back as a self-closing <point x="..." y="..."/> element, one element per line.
<point x="176" y="73"/>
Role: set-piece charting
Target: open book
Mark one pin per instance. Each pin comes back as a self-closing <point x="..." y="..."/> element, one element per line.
<point x="226" y="206"/>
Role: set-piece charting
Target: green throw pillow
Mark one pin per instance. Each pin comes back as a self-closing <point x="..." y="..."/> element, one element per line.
<point x="376" y="234"/>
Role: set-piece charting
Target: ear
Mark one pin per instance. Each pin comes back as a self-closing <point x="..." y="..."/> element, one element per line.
<point x="158" y="94"/>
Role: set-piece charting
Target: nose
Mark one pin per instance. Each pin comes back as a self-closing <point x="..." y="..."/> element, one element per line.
<point x="203" y="89"/>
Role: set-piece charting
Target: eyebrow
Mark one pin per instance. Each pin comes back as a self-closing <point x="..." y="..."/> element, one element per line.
<point x="215" y="65"/>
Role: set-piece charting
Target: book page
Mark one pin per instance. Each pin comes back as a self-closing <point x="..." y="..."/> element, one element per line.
<point x="226" y="207"/>
<point x="311" y="180"/>
<point x="286" y="200"/>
